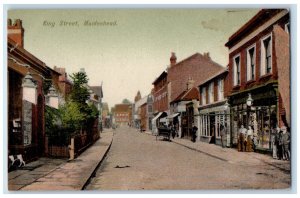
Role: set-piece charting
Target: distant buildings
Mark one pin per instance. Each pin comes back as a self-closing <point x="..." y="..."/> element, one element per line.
<point x="122" y="114"/>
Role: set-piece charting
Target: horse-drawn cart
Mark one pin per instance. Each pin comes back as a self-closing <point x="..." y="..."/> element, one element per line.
<point x="164" y="132"/>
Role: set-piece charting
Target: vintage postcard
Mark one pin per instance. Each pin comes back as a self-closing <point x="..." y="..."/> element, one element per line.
<point x="149" y="99"/>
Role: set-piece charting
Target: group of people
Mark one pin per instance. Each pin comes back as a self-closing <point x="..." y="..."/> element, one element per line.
<point x="281" y="144"/>
<point x="246" y="139"/>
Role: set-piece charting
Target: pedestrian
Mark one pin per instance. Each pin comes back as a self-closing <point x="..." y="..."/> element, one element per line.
<point x="279" y="146"/>
<point x="222" y="133"/>
<point x="194" y="131"/>
<point x="241" y="139"/>
<point x="173" y="131"/>
<point x="249" y="144"/>
<point x="286" y="138"/>
<point x="275" y="142"/>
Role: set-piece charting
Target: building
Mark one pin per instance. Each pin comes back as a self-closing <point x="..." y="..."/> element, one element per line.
<point x="182" y="114"/>
<point x="213" y="109"/>
<point x="122" y="113"/>
<point x="161" y="102"/>
<point x="196" y="67"/>
<point x="259" y="81"/>
<point x="64" y="84"/>
<point x="135" y="110"/>
<point x="27" y="77"/>
<point x="96" y="96"/>
<point x="149" y="109"/>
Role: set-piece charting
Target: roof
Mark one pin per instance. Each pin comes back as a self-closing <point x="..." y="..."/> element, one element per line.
<point x="122" y="107"/>
<point x="97" y="90"/>
<point x="161" y="76"/>
<point x="35" y="63"/>
<point x="214" y="76"/>
<point x="187" y="95"/>
<point x="252" y="24"/>
<point x="199" y="57"/>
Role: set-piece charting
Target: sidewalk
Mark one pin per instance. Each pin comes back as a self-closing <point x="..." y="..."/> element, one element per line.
<point x="56" y="174"/>
<point x="231" y="155"/>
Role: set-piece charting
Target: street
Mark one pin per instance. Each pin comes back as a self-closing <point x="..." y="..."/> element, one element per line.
<point x="136" y="161"/>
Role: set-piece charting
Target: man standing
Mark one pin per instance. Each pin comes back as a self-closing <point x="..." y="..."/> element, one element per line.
<point x="286" y="138"/>
<point x="222" y="133"/>
<point x="241" y="140"/>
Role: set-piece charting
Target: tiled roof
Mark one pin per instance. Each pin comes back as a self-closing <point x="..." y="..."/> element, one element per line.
<point x="187" y="95"/>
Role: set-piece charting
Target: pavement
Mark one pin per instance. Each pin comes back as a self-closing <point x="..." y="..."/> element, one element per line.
<point x="48" y="174"/>
<point x="231" y="155"/>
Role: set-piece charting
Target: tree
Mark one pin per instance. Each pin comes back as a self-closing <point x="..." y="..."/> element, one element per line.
<point x="126" y="101"/>
<point x="79" y="91"/>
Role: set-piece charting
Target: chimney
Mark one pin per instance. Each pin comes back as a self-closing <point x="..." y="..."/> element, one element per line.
<point x="16" y="31"/>
<point x="173" y="59"/>
<point x="190" y="83"/>
<point x="206" y="55"/>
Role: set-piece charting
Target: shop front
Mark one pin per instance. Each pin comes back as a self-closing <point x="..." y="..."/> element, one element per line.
<point x="212" y="119"/>
<point x="256" y="109"/>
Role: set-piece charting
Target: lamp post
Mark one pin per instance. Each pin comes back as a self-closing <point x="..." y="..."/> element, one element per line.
<point x="249" y="100"/>
<point x="29" y="89"/>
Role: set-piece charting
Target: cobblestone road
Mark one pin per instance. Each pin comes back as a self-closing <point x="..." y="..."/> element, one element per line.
<point x="136" y="161"/>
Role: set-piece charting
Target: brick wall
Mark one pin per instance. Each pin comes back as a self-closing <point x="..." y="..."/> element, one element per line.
<point x="197" y="67"/>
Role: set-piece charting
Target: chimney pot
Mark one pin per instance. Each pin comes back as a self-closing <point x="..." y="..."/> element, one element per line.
<point x="173" y="59"/>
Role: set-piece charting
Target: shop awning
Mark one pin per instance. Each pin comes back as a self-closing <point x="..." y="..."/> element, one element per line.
<point x="173" y="115"/>
<point x="156" y="117"/>
<point x="163" y="119"/>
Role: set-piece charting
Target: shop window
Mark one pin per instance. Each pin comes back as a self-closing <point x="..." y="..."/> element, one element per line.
<point x="236" y="70"/>
<point x="266" y="55"/>
<point x="251" y="63"/>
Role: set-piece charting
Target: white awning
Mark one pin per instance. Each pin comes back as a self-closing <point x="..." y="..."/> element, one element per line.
<point x="163" y="119"/>
<point x="156" y="117"/>
<point x="173" y="115"/>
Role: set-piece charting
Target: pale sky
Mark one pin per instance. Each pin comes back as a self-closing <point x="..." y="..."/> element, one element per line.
<point x="129" y="55"/>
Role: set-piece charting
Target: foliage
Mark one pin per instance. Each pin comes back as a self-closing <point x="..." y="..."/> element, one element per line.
<point x="79" y="91"/>
<point x="72" y="117"/>
<point x="126" y="101"/>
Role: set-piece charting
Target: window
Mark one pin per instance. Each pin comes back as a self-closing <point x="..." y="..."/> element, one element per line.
<point x="251" y="63"/>
<point x="211" y="92"/>
<point x="220" y="89"/>
<point x="203" y="95"/>
<point x="236" y="70"/>
<point x="266" y="55"/>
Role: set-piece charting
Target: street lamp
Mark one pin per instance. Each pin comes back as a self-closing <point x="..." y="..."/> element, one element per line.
<point x="249" y="100"/>
<point x="29" y="89"/>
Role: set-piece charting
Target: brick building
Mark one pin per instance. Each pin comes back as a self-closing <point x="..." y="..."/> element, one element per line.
<point x="213" y="109"/>
<point x="122" y="113"/>
<point x="160" y="100"/>
<point x="259" y="82"/>
<point x="196" y="67"/>
<point x="27" y="76"/>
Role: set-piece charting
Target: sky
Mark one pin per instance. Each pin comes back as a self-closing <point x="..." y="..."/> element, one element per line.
<point x="128" y="48"/>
